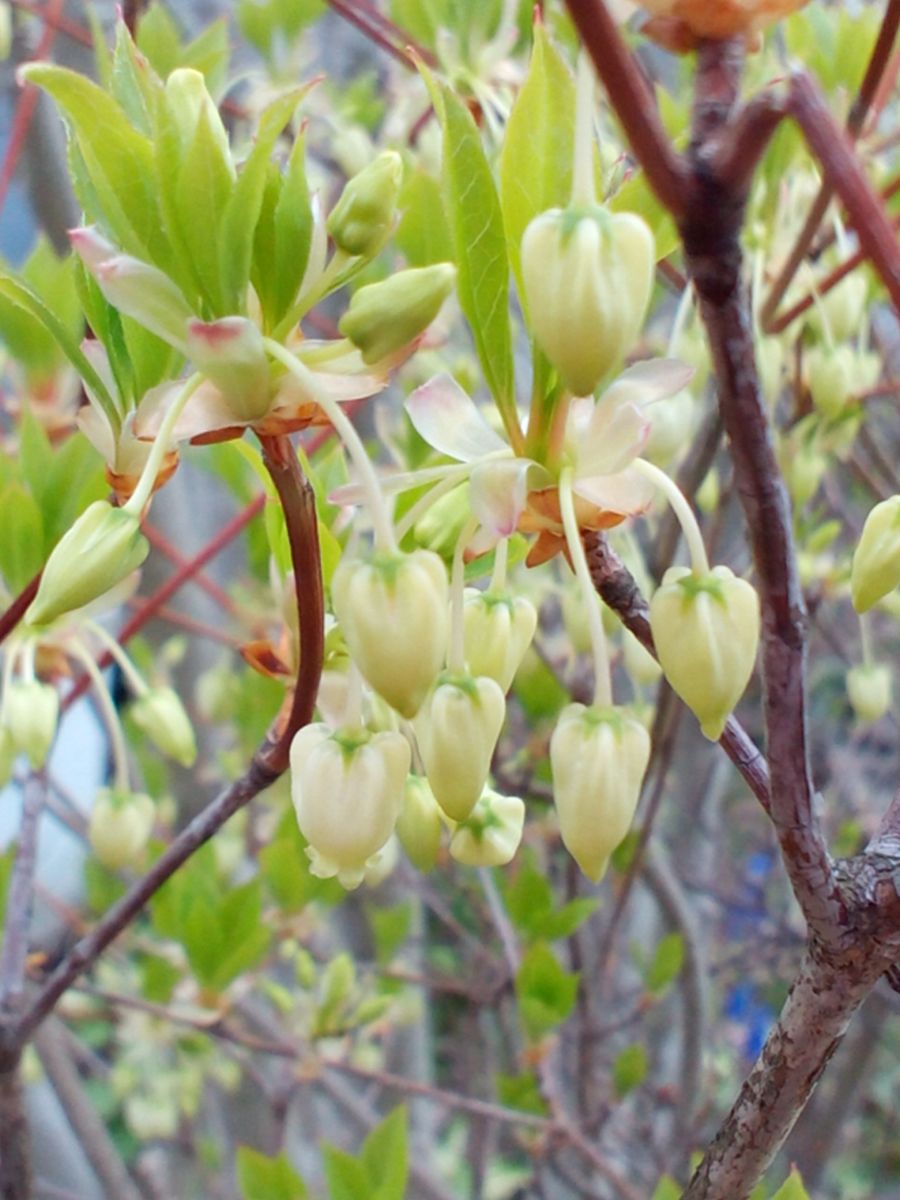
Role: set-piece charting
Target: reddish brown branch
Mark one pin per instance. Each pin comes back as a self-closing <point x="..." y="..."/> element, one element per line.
<point x="16" y="611"/>
<point x="299" y="505"/>
<point x="875" y="72"/>
<point x="383" y="33"/>
<point x="633" y="101"/>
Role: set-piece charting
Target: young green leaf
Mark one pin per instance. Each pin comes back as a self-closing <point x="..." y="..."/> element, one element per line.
<point x="629" y="1069"/>
<point x="666" y="964"/>
<point x="384" y="1157"/>
<point x="262" y="1178"/>
<point x="479" y="241"/>
<point x="792" y="1188"/>
<point x="545" y="991"/>
<point x="538" y="149"/>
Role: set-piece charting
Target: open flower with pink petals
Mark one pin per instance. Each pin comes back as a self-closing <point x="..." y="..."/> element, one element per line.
<point x="602" y="441"/>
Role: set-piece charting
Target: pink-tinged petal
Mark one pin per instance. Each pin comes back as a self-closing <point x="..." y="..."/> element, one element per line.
<point x="207" y="411"/>
<point x="613" y="436"/>
<point x="653" y="379"/>
<point x="96" y="428"/>
<point x="230" y="353"/>
<point x="448" y="419"/>
<point x="627" y="492"/>
<point x="482" y="543"/>
<point x="499" y="491"/>
<point x="135" y="288"/>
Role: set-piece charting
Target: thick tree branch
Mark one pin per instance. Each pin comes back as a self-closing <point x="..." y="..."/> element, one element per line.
<point x="815" y="1017"/>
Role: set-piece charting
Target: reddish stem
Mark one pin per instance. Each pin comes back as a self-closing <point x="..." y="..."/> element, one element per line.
<point x="69" y="29"/>
<point x="161" y="543"/>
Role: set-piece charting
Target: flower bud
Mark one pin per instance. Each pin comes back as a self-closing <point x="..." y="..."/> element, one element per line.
<point x="101" y="549"/>
<point x="120" y="827"/>
<point x="598" y="757"/>
<point x="30" y="715"/>
<point x="230" y="353"/>
<point x="832" y="377"/>
<point x="135" y="288"/>
<point x="490" y="835"/>
<point x="347" y="789"/>
<point x="419" y="824"/>
<point x="497" y="631"/>
<point x="196" y="117"/>
<point x="384" y="317"/>
<point x="160" y="715"/>
<point x="869" y="690"/>
<point x="360" y="223"/>
<point x="706" y="630"/>
<point x="876" y="562"/>
<point x="842" y="309"/>
<point x="392" y="609"/>
<point x="587" y="275"/>
<point x="457" y="733"/>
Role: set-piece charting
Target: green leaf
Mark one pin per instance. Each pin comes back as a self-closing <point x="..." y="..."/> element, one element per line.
<point x="384" y="1157"/>
<point x="158" y="978"/>
<point x="134" y="83"/>
<point x="538" y="148"/>
<point x="422" y="235"/>
<point x="262" y="1178"/>
<point x="345" y="1176"/>
<point x="476" y="226"/>
<point x="7" y="858"/>
<point x="202" y="193"/>
<point x="158" y="39"/>
<point x="667" y="1189"/>
<point x="117" y="158"/>
<point x="20" y="294"/>
<point x="666" y="964"/>
<point x="545" y="991"/>
<point x="22" y="539"/>
<point x="521" y="1091"/>
<point x="292" y="230"/>
<point x="532" y="906"/>
<point x="235" y="239"/>
<point x="629" y="1069"/>
<point x="792" y="1188"/>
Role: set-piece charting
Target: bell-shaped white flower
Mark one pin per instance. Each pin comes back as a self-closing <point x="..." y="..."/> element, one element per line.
<point x="876" y="562"/>
<point x="457" y="734"/>
<point x="490" y="835"/>
<point x="420" y="825"/>
<point x="706" y="630"/>
<point x="120" y="826"/>
<point x="30" y="715"/>
<point x="498" y="628"/>
<point x="598" y="757"/>
<point x="392" y="609"/>
<point x="347" y="789"/>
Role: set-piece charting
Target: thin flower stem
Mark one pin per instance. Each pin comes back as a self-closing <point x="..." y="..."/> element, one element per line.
<point x="498" y="575"/>
<point x="109" y="715"/>
<point x="602" y="679"/>
<point x="136" y="681"/>
<point x="454" y="476"/>
<point x="583" y="192"/>
<point x="384" y="533"/>
<point x="456" y="657"/>
<point x="865" y="639"/>
<point x="682" y="510"/>
<point x="144" y="488"/>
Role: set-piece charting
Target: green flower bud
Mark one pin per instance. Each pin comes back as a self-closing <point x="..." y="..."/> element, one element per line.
<point x="869" y="689"/>
<point x="392" y="609"/>
<point x="196" y="117"/>
<point x="876" y="562"/>
<point x="672" y="424"/>
<point x="490" y="835"/>
<point x="498" y="629"/>
<point x="706" y="631"/>
<point x="160" y="715"/>
<point x="843" y="308"/>
<point x="457" y="733"/>
<point x="360" y="223"/>
<point x="588" y="276"/>
<point x="832" y="377"/>
<point x="419" y="824"/>
<point x="384" y="317"/>
<point x="30" y="716"/>
<point x="120" y="826"/>
<point x="103" y="547"/>
<point x="347" y="789"/>
<point x="598" y="757"/>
